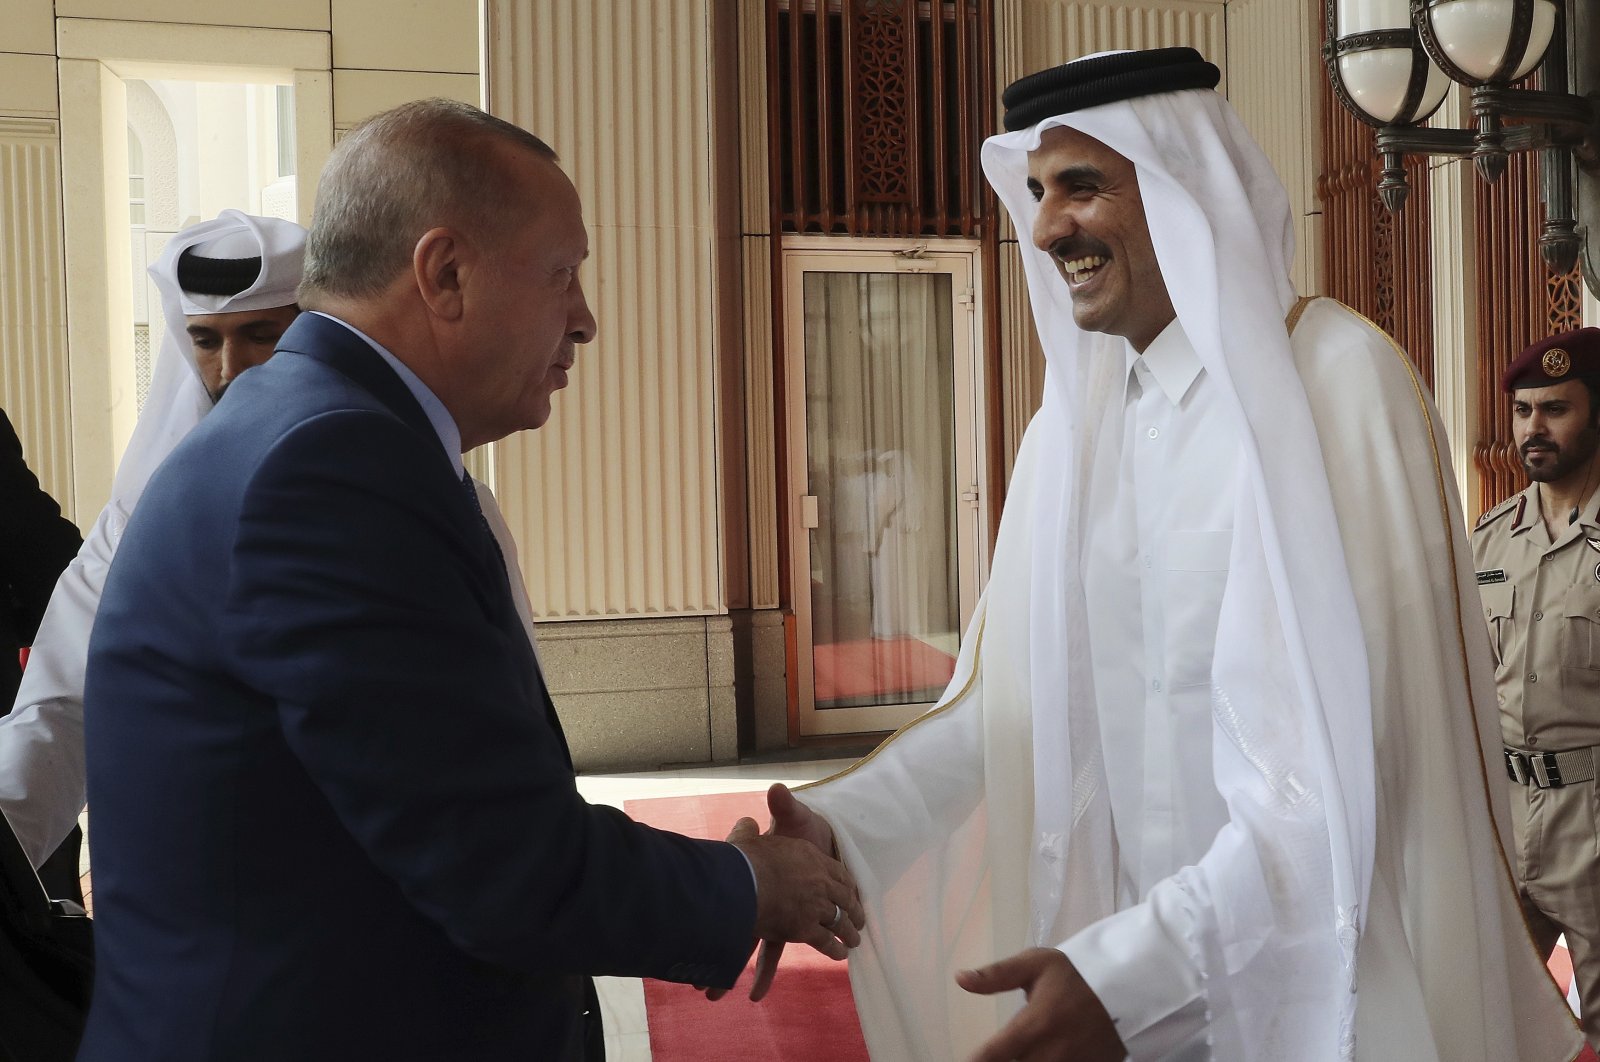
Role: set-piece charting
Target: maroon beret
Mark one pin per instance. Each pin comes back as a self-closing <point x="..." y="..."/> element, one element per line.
<point x="1568" y="356"/>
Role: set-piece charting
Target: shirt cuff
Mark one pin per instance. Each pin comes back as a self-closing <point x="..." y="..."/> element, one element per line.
<point x="754" y="891"/>
<point x="1140" y="965"/>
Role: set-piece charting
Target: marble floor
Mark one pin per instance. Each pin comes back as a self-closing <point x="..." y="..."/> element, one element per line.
<point x="622" y="998"/>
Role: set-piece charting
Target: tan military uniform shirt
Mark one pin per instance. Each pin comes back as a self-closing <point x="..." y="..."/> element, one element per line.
<point x="1542" y="602"/>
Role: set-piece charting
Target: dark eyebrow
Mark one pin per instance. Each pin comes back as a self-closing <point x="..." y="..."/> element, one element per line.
<point x="1083" y="173"/>
<point x="260" y="322"/>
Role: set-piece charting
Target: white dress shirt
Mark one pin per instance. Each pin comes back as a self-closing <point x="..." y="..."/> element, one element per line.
<point x="1158" y="528"/>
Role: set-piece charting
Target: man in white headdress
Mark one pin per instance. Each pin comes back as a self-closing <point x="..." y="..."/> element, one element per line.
<point x="1213" y="769"/>
<point x="227" y="290"/>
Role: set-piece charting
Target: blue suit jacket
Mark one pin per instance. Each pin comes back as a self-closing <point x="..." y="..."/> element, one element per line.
<point x="334" y="814"/>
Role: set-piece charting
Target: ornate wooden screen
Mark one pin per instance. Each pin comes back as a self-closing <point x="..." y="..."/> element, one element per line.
<point x="878" y="108"/>
<point x="1378" y="263"/>
<point x="1518" y="303"/>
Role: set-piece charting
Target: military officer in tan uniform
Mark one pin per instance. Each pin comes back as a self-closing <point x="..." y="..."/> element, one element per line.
<point x="1537" y="555"/>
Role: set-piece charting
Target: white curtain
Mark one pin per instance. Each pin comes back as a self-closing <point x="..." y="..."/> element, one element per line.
<point x="880" y="428"/>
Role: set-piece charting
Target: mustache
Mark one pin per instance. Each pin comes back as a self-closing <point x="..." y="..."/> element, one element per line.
<point x="1069" y="247"/>
<point x="1540" y="441"/>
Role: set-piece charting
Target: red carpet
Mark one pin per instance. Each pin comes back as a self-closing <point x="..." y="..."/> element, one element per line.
<point x="807" y="1017"/>
<point x="872" y="667"/>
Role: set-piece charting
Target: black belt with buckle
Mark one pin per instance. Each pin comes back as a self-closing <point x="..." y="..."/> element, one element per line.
<point x="1549" y="770"/>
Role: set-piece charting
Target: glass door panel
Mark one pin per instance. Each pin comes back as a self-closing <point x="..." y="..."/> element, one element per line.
<point x="883" y="464"/>
<point x="880" y="449"/>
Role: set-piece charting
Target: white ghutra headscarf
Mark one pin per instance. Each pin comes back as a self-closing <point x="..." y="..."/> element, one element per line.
<point x="177" y="399"/>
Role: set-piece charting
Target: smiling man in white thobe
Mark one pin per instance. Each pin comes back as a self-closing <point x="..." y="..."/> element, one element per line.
<point x="1213" y="769"/>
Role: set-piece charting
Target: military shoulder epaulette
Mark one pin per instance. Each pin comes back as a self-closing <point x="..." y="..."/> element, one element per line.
<point x="1515" y="502"/>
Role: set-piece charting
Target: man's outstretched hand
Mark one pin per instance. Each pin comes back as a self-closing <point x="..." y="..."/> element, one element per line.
<point x="1063" y="1020"/>
<point x="801" y="844"/>
<point x="803" y="894"/>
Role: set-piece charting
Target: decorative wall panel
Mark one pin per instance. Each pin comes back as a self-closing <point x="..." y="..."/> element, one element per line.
<point x="33" y="328"/>
<point x="877" y="110"/>
<point x="616" y="501"/>
<point x="1378" y="263"/>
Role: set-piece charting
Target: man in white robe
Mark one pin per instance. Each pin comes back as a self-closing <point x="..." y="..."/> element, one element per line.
<point x="227" y="289"/>
<point x="1214" y="767"/>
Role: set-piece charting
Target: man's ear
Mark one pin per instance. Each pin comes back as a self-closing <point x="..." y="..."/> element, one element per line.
<point x="436" y="262"/>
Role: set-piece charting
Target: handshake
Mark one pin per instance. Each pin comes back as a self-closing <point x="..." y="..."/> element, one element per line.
<point x="804" y="893"/>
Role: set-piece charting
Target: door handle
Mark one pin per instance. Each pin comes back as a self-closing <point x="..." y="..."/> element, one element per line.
<point x="808" y="511"/>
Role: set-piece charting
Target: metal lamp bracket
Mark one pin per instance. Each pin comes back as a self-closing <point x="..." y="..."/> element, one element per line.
<point x="1564" y="127"/>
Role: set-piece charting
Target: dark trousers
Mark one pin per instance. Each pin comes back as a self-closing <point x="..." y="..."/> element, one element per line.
<point x="60" y="872"/>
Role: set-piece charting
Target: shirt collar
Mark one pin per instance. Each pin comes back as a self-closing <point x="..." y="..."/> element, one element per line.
<point x="1528" y="511"/>
<point x="1590" y="517"/>
<point x="444" y="425"/>
<point x="1171" y="361"/>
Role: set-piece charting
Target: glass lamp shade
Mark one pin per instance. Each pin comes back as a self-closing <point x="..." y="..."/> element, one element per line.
<point x="1378" y="83"/>
<point x="1475" y="39"/>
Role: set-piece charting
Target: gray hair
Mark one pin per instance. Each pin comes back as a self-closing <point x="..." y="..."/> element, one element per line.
<point x="395" y="176"/>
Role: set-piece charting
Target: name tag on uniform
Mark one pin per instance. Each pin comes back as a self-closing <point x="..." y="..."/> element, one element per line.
<point x="1493" y="575"/>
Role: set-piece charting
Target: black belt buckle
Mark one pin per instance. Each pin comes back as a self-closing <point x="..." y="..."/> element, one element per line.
<point x="1538" y="769"/>
<point x="1546" y="772"/>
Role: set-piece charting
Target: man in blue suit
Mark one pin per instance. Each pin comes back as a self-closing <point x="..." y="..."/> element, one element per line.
<point x="335" y="817"/>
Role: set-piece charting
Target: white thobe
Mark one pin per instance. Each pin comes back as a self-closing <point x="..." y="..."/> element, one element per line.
<point x="1161" y="504"/>
<point x="938" y="825"/>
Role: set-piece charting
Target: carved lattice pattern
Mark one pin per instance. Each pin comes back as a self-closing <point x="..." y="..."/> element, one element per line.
<point x="882" y="74"/>
<point x="877" y="108"/>
<point x="1382" y="265"/>
<point x="1565" y="300"/>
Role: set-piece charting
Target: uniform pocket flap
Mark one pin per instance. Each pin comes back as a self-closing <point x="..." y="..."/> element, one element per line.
<point x="1499" y="600"/>
<point x="1198" y="551"/>
<point x="1582" y="602"/>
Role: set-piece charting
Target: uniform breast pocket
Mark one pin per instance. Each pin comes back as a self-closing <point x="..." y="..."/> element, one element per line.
<point x="1499" y="603"/>
<point x="1580" y="636"/>
<point x="1195" y="572"/>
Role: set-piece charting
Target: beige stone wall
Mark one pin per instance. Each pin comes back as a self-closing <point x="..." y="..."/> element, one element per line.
<point x="65" y="367"/>
<point x="644" y="693"/>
